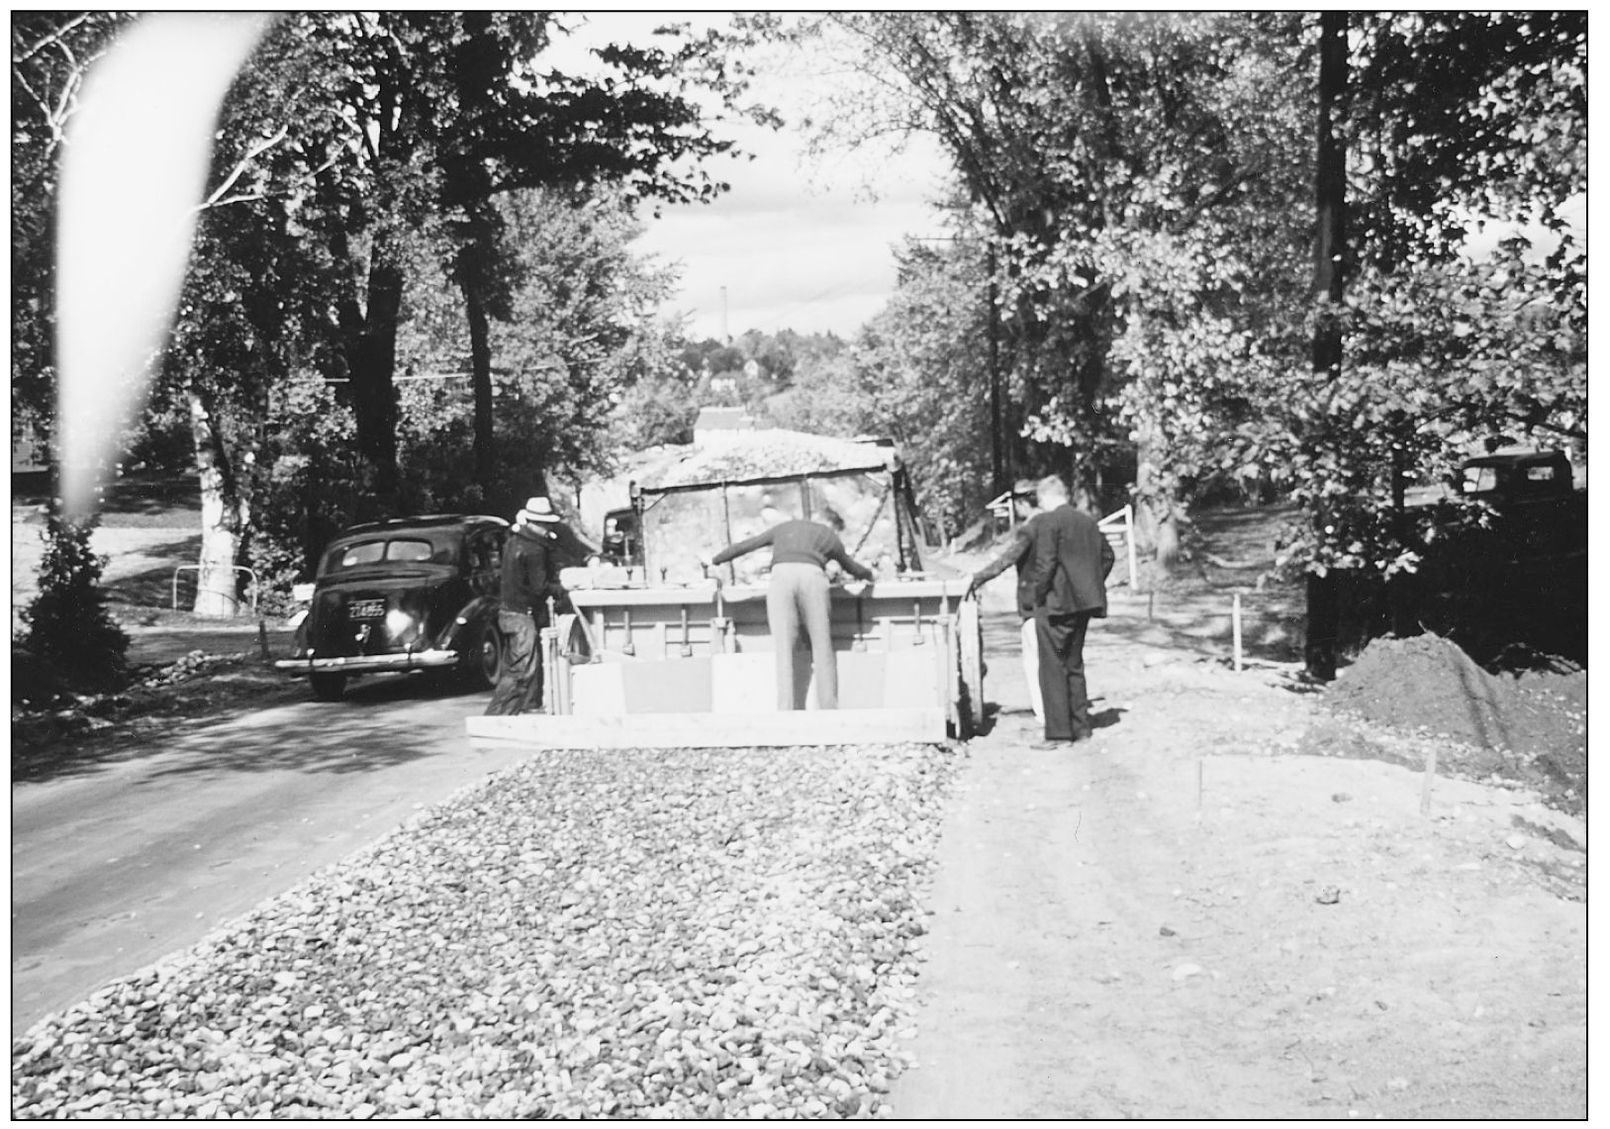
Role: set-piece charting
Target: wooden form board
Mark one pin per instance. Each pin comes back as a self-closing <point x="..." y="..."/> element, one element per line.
<point x="648" y="623"/>
<point x="714" y="731"/>
<point x="747" y="683"/>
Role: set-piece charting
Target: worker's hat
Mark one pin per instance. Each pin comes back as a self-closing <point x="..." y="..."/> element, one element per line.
<point x="536" y="509"/>
<point x="1024" y="488"/>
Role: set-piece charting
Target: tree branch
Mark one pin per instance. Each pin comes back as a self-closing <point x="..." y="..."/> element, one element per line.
<point x="217" y="201"/>
<point x="1214" y="199"/>
<point x="218" y="195"/>
<point x="53" y="37"/>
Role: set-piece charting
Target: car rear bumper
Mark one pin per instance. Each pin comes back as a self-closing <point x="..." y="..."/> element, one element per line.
<point x="368" y="664"/>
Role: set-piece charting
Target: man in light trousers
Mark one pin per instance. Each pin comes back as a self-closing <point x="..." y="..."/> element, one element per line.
<point x="799" y="595"/>
<point x="1020" y="553"/>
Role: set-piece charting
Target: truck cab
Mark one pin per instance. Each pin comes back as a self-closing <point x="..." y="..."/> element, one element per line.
<point x="1516" y="475"/>
<point x="622" y="543"/>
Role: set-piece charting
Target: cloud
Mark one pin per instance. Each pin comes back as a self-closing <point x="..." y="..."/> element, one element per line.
<point x="799" y="242"/>
<point x="795" y="248"/>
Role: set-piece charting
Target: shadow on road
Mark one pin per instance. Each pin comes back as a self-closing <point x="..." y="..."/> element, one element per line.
<point x="1103" y="719"/>
<point x="1200" y="624"/>
<point x="383" y="721"/>
<point x="378" y="724"/>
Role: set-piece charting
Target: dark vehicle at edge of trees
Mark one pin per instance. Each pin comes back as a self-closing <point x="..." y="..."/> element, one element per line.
<point x="404" y="595"/>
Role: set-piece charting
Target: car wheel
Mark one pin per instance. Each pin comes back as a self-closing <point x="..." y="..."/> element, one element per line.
<point x="484" y="664"/>
<point x="328" y="687"/>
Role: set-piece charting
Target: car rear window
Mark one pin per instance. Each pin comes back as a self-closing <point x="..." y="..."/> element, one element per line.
<point x="372" y="552"/>
<point x="408" y="550"/>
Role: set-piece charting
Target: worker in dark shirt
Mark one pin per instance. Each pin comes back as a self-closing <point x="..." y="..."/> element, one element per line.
<point x="798" y="593"/>
<point x="530" y="577"/>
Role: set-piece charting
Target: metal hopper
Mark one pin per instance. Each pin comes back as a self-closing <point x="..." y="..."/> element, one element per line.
<point x="660" y="653"/>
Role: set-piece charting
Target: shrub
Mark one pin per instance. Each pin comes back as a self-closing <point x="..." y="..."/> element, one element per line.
<point x="70" y="629"/>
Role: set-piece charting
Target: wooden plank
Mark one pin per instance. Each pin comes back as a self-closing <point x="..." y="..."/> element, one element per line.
<point x="704" y="593"/>
<point x="714" y="731"/>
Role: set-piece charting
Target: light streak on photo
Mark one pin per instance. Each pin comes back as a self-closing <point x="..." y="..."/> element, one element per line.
<point x="133" y="172"/>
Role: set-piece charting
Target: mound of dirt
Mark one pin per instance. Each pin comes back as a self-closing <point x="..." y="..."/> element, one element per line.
<point x="1427" y="683"/>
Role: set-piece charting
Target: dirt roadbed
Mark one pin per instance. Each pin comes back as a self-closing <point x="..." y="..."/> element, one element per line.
<point x="1185" y="918"/>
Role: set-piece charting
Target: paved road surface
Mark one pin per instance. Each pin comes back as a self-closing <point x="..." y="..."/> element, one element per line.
<point x="123" y="863"/>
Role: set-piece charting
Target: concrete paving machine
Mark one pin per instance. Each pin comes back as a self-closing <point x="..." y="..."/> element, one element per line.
<point x="664" y="652"/>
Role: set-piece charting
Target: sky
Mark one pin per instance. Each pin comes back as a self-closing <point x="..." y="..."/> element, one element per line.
<point x="799" y="242"/>
<point x="789" y="252"/>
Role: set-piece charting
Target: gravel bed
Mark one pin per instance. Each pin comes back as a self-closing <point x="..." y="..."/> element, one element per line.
<point x="649" y="933"/>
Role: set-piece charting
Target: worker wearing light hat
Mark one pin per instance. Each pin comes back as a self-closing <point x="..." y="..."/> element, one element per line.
<point x="530" y="578"/>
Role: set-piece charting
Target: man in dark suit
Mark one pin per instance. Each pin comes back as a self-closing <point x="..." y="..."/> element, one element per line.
<point x="1068" y="582"/>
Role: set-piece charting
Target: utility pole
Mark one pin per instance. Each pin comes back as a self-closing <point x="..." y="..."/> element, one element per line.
<point x="726" y="334"/>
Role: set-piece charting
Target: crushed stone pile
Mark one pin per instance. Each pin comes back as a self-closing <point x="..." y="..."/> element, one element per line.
<point x="1429" y="684"/>
<point x="745" y="456"/>
<point x="669" y="933"/>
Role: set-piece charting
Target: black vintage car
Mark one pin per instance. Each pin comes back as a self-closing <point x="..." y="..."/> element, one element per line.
<point x="404" y="595"/>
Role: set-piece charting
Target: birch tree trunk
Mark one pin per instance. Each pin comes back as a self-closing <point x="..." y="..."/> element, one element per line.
<point x="224" y="514"/>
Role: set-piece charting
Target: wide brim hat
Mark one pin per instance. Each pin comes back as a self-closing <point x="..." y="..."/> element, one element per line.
<point x="536" y="509"/>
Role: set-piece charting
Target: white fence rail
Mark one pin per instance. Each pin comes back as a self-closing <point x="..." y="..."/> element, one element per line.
<point x="206" y="573"/>
<point x="1119" y="528"/>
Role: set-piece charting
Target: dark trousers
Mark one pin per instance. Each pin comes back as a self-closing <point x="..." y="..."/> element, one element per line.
<point x="1062" y="674"/>
<point x="519" y="687"/>
<point x="798" y="596"/>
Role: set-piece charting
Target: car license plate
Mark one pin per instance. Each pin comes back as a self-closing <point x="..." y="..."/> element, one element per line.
<point x="366" y="609"/>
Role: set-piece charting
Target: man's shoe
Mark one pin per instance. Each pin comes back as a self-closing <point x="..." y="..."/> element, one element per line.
<point x="1051" y="743"/>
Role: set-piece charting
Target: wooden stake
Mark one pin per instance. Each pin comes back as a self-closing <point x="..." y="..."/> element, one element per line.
<point x="1426" y="781"/>
<point x="1199" y="763"/>
<point x="1235" y="622"/>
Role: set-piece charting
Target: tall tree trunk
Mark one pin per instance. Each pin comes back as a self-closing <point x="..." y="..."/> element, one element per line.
<point x="997" y="422"/>
<point x="481" y="386"/>
<point x="1401" y="587"/>
<point x="224" y="514"/>
<point x="372" y="365"/>
<point x="1330" y="247"/>
<point x="1156" y="512"/>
